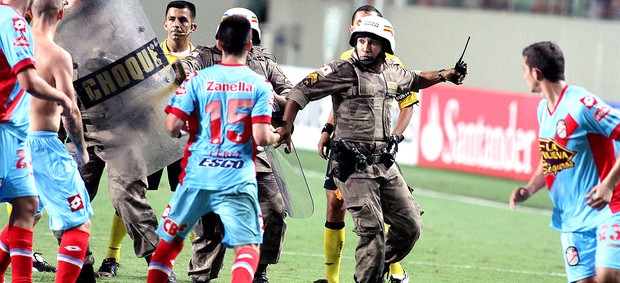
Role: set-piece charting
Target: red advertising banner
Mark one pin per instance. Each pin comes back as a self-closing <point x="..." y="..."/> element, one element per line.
<point x="479" y="131"/>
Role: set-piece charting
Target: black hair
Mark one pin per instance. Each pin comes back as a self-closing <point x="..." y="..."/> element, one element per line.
<point x="234" y="34"/>
<point x="182" y="5"/>
<point x="367" y="9"/>
<point x="547" y="57"/>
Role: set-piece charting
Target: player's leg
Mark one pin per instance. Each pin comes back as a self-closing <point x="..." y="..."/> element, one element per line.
<point x="580" y="256"/>
<point x="72" y="252"/>
<point x="17" y="186"/>
<point x="273" y="211"/>
<point x="239" y="211"/>
<point x="608" y="251"/>
<point x="183" y="211"/>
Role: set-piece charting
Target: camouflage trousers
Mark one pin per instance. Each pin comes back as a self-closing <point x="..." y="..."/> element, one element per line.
<point x="207" y="250"/>
<point x="374" y="197"/>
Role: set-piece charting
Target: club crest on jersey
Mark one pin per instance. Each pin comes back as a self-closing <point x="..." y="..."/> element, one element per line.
<point x="76" y="203"/>
<point x="21" y="41"/>
<point x="572" y="256"/>
<point x="560" y="129"/>
<point x="588" y="101"/>
<point x="19" y="24"/>
<point x="555" y="157"/>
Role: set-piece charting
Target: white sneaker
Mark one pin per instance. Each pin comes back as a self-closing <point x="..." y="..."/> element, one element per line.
<point x="399" y="278"/>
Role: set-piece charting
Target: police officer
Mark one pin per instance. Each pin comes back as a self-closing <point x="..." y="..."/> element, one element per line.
<point x="207" y="251"/>
<point x="363" y="88"/>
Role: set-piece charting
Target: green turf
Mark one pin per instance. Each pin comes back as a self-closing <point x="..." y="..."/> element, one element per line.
<point x="464" y="240"/>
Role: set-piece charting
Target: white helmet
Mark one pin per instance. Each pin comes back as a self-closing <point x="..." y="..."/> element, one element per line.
<point x="378" y="26"/>
<point x="248" y="15"/>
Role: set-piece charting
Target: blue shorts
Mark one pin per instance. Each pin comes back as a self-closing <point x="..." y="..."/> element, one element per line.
<point x="237" y="207"/>
<point x="61" y="188"/>
<point x="16" y="177"/>
<point x="585" y="251"/>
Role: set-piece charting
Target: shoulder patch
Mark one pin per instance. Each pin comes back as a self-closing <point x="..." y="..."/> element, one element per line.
<point x="311" y="79"/>
<point x="326" y="70"/>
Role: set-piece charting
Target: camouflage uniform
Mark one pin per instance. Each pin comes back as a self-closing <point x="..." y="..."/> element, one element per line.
<point x="362" y="101"/>
<point x="207" y="250"/>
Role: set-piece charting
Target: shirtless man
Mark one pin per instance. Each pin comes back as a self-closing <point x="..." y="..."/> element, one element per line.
<point x="61" y="189"/>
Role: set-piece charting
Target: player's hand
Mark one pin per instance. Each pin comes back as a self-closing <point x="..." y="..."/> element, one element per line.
<point x="323" y="145"/>
<point x="68" y="107"/>
<point x="519" y="194"/>
<point x="285" y="137"/>
<point x="81" y="158"/>
<point x="599" y="196"/>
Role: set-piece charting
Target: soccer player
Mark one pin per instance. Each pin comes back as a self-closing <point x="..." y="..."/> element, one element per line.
<point x="61" y="189"/>
<point x="18" y="81"/>
<point x="228" y="107"/>
<point x="179" y="24"/>
<point x="579" y="167"/>
<point x="207" y="251"/>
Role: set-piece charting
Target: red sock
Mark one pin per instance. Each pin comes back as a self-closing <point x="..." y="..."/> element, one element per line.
<point x="161" y="262"/>
<point x="20" y="244"/>
<point x="5" y="256"/>
<point x="245" y="265"/>
<point x="71" y="255"/>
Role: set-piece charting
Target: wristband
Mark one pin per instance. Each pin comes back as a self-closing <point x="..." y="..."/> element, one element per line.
<point x="440" y="76"/>
<point x="328" y="128"/>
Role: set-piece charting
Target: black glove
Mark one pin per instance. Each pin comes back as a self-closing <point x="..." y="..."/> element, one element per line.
<point x="388" y="157"/>
<point x="461" y="68"/>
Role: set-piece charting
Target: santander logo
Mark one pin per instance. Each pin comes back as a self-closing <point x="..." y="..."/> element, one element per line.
<point x="461" y="133"/>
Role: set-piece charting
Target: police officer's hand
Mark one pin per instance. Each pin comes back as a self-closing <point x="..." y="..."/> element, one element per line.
<point x="519" y="194"/>
<point x="323" y="145"/>
<point x="285" y="137"/>
<point x="599" y="196"/>
<point x="457" y="76"/>
<point x="179" y="72"/>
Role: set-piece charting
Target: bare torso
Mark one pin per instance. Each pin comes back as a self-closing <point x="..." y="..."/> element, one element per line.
<point x="50" y="63"/>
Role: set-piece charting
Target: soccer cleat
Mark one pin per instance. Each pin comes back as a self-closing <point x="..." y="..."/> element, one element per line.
<point x="199" y="281"/>
<point x="399" y="278"/>
<point x="40" y="265"/>
<point x="321" y="281"/>
<point x="109" y="268"/>
<point x="261" y="277"/>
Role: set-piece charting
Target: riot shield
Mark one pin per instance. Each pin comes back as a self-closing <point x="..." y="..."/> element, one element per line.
<point x="123" y="83"/>
<point x="291" y="181"/>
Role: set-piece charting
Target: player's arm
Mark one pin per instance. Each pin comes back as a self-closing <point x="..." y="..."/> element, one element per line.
<point x="174" y="125"/>
<point x="264" y="134"/>
<point x="63" y="75"/>
<point x="39" y="88"/>
<point x="520" y="194"/>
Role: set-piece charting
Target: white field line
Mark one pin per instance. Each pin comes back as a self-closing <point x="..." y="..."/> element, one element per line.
<point x="453" y="197"/>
